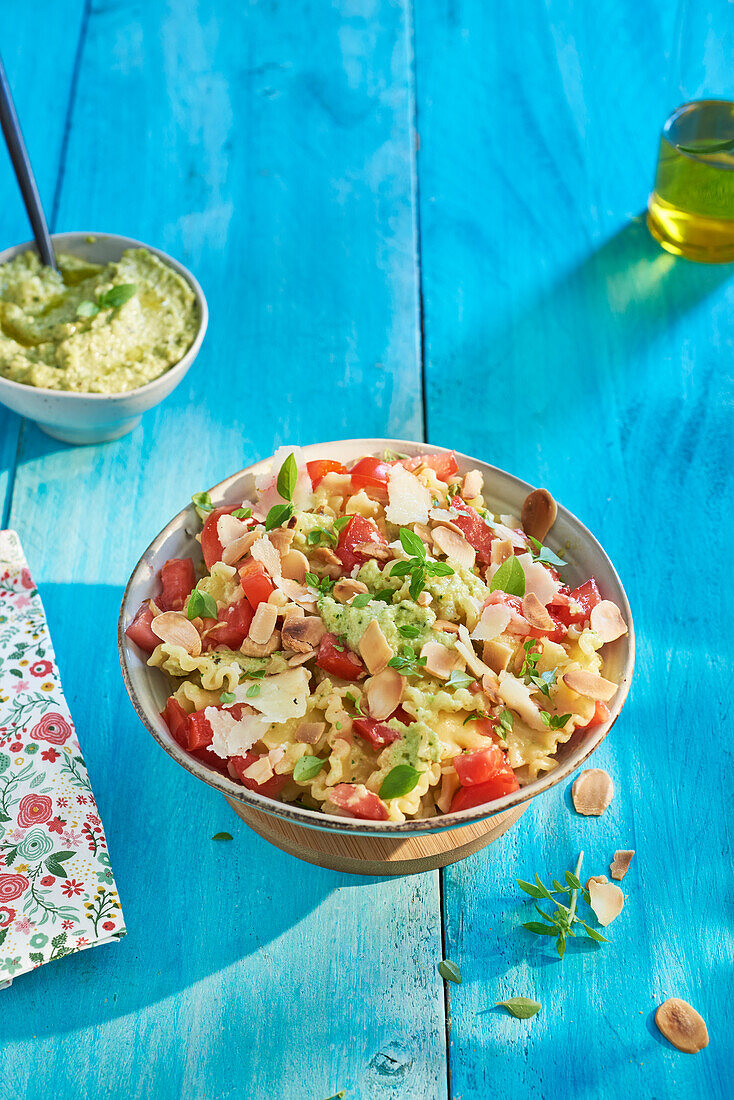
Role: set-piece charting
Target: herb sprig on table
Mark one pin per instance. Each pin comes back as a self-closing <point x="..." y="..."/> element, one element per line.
<point x="559" y="923"/>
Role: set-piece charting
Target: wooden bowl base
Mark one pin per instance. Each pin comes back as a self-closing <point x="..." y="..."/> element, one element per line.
<point x="366" y="855"/>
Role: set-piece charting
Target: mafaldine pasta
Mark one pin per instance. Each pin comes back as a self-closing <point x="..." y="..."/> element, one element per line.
<point x="375" y="642"/>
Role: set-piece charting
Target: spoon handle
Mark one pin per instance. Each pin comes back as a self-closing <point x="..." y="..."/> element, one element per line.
<point x="24" y="172"/>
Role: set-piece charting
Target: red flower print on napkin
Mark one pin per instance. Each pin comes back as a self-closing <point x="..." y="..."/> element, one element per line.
<point x="34" y="809"/>
<point x="7" y="916"/>
<point x="53" y="727"/>
<point x="12" y="887"/>
<point x="56" y="826"/>
<point x="71" y="887"/>
<point x="40" y="668"/>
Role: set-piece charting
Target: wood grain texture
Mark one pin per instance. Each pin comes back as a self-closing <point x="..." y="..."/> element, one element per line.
<point x="585" y="359"/>
<point x="269" y="147"/>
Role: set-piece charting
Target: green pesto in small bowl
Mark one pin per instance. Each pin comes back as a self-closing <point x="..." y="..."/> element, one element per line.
<point x="92" y="328"/>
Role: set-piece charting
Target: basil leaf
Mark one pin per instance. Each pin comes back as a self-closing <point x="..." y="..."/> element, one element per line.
<point x="449" y="971"/>
<point x="227" y="697"/>
<point x="342" y="522"/>
<point x="522" y="1008"/>
<point x="287" y="477"/>
<point x="202" y="502"/>
<point x="417" y="583"/>
<point x="459" y="679"/>
<point x="509" y="578"/>
<point x="506" y="720"/>
<point x="242" y="513"/>
<point x="278" y="515"/>
<point x="544" y="554"/>
<point x="409" y="631"/>
<point x="401" y="780"/>
<point x="87" y="308"/>
<point x="439" y="569"/>
<point x="116" y="296"/>
<point x="201" y="606"/>
<point x="307" y="767"/>
<point x="252" y="691"/>
<point x="411" y="544"/>
<point x="385" y="595"/>
<point x="222" y="836"/>
<point x="361" y="600"/>
<point x="400" y="569"/>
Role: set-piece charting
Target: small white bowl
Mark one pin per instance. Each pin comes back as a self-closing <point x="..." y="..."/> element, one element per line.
<point x="98" y="417"/>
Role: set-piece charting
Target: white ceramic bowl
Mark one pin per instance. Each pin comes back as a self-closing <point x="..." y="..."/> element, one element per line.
<point x="98" y="417"/>
<point x="149" y="688"/>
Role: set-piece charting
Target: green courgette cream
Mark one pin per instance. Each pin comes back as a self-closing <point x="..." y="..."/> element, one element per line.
<point x="91" y="328"/>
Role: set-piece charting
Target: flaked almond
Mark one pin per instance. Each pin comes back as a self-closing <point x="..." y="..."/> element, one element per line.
<point x="301" y="658"/>
<point x="384" y="693"/>
<point x="263" y="551"/>
<point x="254" y="649"/>
<point x="496" y="655"/>
<point x="589" y="684"/>
<point x="261" y="771"/>
<point x="236" y="550"/>
<point x="308" y="733"/>
<point x="606" y="619"/>
<point x="295" y="566"/>
<point x="620" y="865"/>
<point x="606" y="900"/>
<point x="292" y="609"/>
<point x="346" y="588"/>
<point x="536" y="613"/>
<point x="154" y="607"/>
<point x="455" y="547"/>
<point x="682" y="1025"/>
<point x="374" y="648"/>
<point x="263" y="623"/>
<point x="424" y="599"/>
<point x="538" y="513"/>
<point x="592" y="792"/>
<point x="173" y="628"/>
<point x="302" y="633"/>
<point x="446" y="626"/>
<point x="472" y="484"/>
<point x="440" y="660"/>
<point x="465" y="647"/>
<point x="326" y="556"/>
<point x="595" y="878"/>
<point x="373" y="550"/>
<point x="501" y="550"/>
<point x="299" y="593"/>
<point x="423" y="532"/>
<point x="281" y="538"/>
<point x="491" y="688"/>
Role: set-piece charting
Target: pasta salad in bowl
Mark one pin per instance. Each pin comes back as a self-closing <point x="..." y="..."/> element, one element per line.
<point x="377" y="637"/>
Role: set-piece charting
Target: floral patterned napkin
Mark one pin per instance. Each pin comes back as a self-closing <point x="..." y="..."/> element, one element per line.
<point x="57" y="893"/>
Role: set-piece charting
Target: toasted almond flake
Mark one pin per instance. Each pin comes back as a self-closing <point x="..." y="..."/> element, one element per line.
<point x="493" y="621"/>
<point x="496" y="655"/>
<point x="455" y="547"/>
<point x="229" y="529"/>
<point x="293" y="609"/>
<point x="535" y="612"/>
<point x="236" y="550"/>
<point x="281" y="538"/>
<point x="589" y="684"/>
<point x="682" y="1025"/>
<point x="440" y="660"/>
<point x="373" y="550"/>
<point x="346" y="589"/>
<point x="264" y="552"/>
<point x="491" y="688"/>
<point x="254" y="649"/>
<point x="301" y="658"/>
<point x="538" y="513"/>
<point x="465" y="647"/>
<point x="295" y="566"/>
<point x="472" y="484"/>
<point x="620" y="865"/>
<point x="325" y="555"/>
<point x="173" y="628"/>
<point x="592" y="792"/>
<point x="154" y="607"/>
<point x="516" y="695"/>
<point x="595" y="878"/>
<point x="501" y="550"/>
<point x="308" y="733"/>
<point x="423" y="532"/>
<point x="445" y="626"/>
<point x="297" y="592"/>
<point x="384" y="693"/>
<point x="606" y="619"/>
<point x="302" y="633"/>
<point x="263" y="623"/>
<point x="374" y="648"/>
<point x="606" y="900"/>
<point x="424" y="599"/>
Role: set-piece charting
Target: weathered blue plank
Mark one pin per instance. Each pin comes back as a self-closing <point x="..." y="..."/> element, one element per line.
<point x="36" y="83"/>
<point x="269" y="147"/>
<point x="585" y="359"/>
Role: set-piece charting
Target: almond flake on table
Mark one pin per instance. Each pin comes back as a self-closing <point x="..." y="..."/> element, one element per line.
<point x="592" y="792"/>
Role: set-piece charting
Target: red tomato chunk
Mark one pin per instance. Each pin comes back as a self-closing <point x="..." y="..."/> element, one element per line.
<point x="354" y="800"/>
<point x="370" y="473"/>
<point x="236" y="619"/>
<point x="256" y="584"/>
<point x="480" y="765"/>
<point x="139" y="630"/>
<point x="588" y="596"/>
<point x="319" y="468"/>
<point x="485" y="774"/>
<point x="270" y="789"/>
<point x="337" y="660"/>
<point x="178" y="578"/>
<point x="377" y="734"/>
<point x="358" y="532"/>
<point x="444" y="465"/>
<point x="180" y="725"/>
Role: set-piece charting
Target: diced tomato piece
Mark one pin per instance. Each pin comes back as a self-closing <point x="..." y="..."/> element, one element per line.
<point x="359" y="531"/>
<point x="588" y="596"/>
<point x="370" y="473"/>
<point x="211" y="547"/>
<point x="237" y="619"/>
<point x="601" y="714"/>
<point x="200" y="732"/>
<point x="270" y="789"/>
<point x="339" y="661"/>
<point x="177" y="721"/>
<point x="320" y="467"/>
<point x="354" y="800"/>
<point x="444" y="465"/>
<point x="178" y="578"/>
<point x="503" y="783"/>
<point x="474" y="529"/>
<point x="480" y="765"/>
<point x="139" y="630"/>
<point x="377" y="734"/>
<point x="402" y="716"/>
<point x="256" y="584"/>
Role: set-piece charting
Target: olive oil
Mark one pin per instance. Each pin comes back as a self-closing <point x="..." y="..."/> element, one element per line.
<point x="691" y="208"/>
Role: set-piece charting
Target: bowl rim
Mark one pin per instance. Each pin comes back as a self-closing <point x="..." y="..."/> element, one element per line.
<point x="180" y="366"/>
<point x="326" y="822"/>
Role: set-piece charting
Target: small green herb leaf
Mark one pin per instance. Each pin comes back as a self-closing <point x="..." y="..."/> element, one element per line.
<point x="593" y="934"/>
<point x="355" y="701"/>
<point x="544" y="555"/>
<point x="319" y="534"/>
<point x="540" y="929"/>
<point x="201" y="605"/>
<point x="87" y="308"/>
<point x="439" y="569"/>
<point x="203" y="504"/>
<point x="400" y="569"/>
<point x="522" y="1008"/>
<point x="530" y="889"/>
<point x="399" y="781"/>
<point x="506" y="720"/>
<point x="409" y="631"/>
<point x="242" y="513"/>
<point x="509" y="578"/>
<point x="278" y="515"/>
<point x="287" y="477"/>
<point x="459" y="679"/>
<point x="227" y="697"/>
<point x="411" y="544"/>
<point x="252" y="691"/>
<point x="385" y="594"/>
<point x="307" y="767"/>
<point x="342" y="521"/>
<point x="361" y="600"/>
<point x="449" y="971"/>
<point x="222" y="836"/>
<point x="116" y="296"/>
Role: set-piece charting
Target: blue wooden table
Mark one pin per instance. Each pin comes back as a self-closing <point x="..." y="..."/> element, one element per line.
<point x="409" y="220"/>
